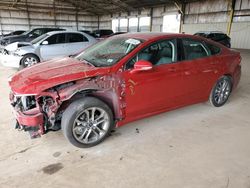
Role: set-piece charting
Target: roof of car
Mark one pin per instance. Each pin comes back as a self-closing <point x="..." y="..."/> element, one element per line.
<point x="149" y="35"/>
<point x="58" y="32"/>
<point x="208" y="32"/>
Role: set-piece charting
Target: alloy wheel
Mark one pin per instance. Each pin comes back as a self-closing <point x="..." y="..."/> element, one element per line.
<point x="91" y="125"/>
<point x="29" y="61"/>
<point x="222" y="91"/>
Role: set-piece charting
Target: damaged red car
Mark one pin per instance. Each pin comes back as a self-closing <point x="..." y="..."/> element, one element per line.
<point x="119" y="80"/>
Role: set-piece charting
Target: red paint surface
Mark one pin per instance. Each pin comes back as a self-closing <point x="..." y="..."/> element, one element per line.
<point x="134" y="95"/>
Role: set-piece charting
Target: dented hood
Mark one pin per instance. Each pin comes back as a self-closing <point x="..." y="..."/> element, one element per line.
<point x="15" y="45"/>
<point x="40" y="77"/>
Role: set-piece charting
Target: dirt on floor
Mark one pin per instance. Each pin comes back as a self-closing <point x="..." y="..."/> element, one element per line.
<point x="193" y="147"/>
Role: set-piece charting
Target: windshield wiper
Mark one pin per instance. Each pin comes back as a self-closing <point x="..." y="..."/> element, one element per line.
<point x="86" y="61"/>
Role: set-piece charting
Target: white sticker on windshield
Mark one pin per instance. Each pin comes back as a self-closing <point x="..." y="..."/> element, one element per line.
<point x="110" y="60"/>
<point x="133" y="41"/>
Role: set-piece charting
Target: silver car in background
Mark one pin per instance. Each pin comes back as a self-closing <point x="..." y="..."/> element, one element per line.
<point x="48" y="46"/>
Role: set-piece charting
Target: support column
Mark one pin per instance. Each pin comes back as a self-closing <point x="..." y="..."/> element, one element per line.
<point x="1" y="27"/>
<point x="128" y="21"/>
<point x="119" y="25"/>
<point x="138" y="25"/>
<point x="98" y="22"/>
<point x="54" y="12"/>
<point x="28" y="13"/>
<point x="231" y="15"/>
<point x="181" y="8"/>
<point x="77" y="24"/>
<point x="151" y="19"/>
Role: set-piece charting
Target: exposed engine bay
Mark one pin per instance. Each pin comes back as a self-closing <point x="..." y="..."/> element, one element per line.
<point x="45" y="109"/>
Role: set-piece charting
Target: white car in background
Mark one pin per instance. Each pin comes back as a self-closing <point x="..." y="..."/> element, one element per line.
<point x="48" y="46"/>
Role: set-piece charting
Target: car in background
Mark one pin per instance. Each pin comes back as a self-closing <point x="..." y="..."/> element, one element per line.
<point x="122" y="79"/>
<point x="117" y="33"/>
<point x="46" y="47"/>
<point x="216" y="36"/>
<point x="86" y="31"/>
<point x="17" y="32"/>
<point x="27" y="36"/>
<point x="102" y="33"/>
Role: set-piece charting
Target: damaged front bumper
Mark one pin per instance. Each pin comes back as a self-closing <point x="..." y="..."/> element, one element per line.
<point x="32" y="121"/>
<point x="10" y="60"/>
<point x="28" y="114"/>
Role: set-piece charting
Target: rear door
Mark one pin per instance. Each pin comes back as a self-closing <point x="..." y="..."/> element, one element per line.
<point x="75" y="43"/>
<point x="200" y="70"/>
<point x="54" y="48"/>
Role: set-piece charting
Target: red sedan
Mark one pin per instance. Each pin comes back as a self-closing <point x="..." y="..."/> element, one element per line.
<point x="119" y="80"/>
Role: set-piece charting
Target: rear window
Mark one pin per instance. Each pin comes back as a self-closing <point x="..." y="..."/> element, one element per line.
<point x="201" y="34"/>
<point x="213" y="49"/>
<point x="220" y="36"/>
<point x="106" y="32"/>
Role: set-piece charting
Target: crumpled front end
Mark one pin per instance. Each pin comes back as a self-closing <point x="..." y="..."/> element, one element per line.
<point x="38" y="113"/>
<point x="33" y="113"/>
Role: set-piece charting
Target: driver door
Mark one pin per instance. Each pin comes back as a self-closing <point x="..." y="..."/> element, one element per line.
<point x="152" y="91"/>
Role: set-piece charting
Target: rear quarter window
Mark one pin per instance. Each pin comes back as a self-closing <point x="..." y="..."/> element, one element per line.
<point x="213" y="49"/>
<point x="194" y="49"/>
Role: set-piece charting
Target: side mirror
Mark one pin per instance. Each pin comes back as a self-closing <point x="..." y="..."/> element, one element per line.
<point x="45" y="42"/>
<point x="141" y="65"/>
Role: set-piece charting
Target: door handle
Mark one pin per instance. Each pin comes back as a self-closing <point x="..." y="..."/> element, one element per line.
<point x="172" y="69"/>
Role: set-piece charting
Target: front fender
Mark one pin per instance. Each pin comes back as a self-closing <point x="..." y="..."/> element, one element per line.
<point x="107" y="88"/>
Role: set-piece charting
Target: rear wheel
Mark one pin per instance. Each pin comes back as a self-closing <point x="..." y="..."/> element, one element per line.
<point x="221" y="91"/>
<point x="87" y="122"/>
<point x="29" y="60"/>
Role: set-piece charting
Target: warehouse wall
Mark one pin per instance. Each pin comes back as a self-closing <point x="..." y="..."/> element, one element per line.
<point x="47" y="14"/>
<point x="208" y="15"/>
<point x="213" y="15"/>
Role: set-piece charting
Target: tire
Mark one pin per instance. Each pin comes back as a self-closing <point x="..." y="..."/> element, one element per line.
<point x="28" y="60"/>
<point x="221" y="91"/>
<point x="78" y="125"/>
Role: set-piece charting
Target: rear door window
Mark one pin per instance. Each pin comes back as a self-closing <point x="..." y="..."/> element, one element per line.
<point x="213" y="49"/>
<point x="194" y="49"/>
<point x="76" y="37"/>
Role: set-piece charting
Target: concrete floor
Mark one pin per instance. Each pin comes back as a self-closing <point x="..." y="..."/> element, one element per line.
<point x="194" y="147"/>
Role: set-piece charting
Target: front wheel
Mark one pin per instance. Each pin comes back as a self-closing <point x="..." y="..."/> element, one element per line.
<point x="221" y="91"/>
<point x="87" y="122"/>
<point x="29" y="60"/>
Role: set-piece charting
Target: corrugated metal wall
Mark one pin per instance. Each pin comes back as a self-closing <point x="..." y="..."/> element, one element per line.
<point x="49" y="13"/>
<point x="193" y="28"/>
<point x="213" y="15"/>
<point x="207" y="15"/>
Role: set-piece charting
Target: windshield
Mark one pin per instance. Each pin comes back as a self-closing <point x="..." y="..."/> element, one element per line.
<point x="38" y="39"/>
<point x="109" y="51"/>
<point x="27" y="32"/>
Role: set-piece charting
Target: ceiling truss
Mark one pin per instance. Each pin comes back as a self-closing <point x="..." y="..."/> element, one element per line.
<point x="99" y="7"/>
